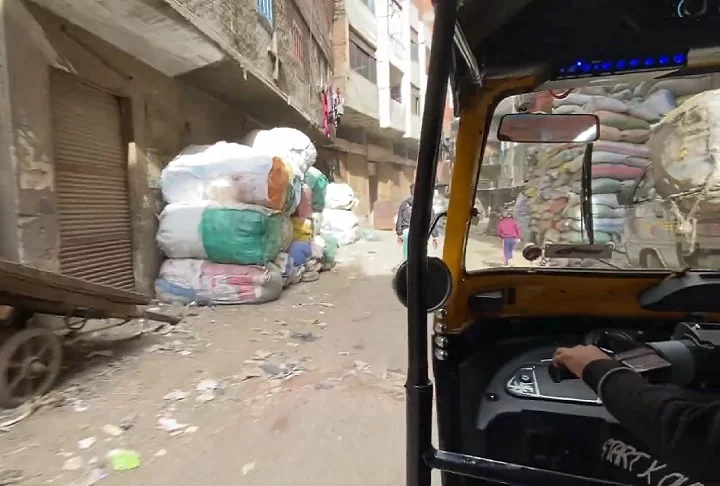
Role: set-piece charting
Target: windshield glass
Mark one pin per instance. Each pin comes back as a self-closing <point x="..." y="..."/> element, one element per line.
<point x="655" y="182"/>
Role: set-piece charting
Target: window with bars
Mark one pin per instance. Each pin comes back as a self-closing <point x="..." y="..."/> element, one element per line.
<point x="265" y="8"/>
<point x="396" y="93"/>
<point x="415" y="100"/>
<point x="414" y="46"/>
<point x="362" y="61"/>
<point x="298" y="42"/>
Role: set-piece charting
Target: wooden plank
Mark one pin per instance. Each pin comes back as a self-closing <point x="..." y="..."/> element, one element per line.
<point x="107" y="311"/>
<point x="33" y="283"/>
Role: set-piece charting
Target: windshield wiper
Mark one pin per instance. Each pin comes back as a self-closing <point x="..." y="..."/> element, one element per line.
<point x="586" y="195"/>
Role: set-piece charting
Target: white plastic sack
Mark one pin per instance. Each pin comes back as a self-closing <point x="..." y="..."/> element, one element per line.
<point x="183" y="272"/>
<point x="340" y="196"/>
<point x="656" y="106"/>
<point x="685" y="86"/>
<point x="178" y="281"/>
<point x="685" y="147"/>
<point x="573" y="99"/>
<point x="178" y="233"/>
<point x="293" y="146"/>
<point x="341" y="225"/>
<point x="317" y="219"/>
<point x="568" y="110"/>
<point x="225" y="172"/>
<point x="605" y="103"/>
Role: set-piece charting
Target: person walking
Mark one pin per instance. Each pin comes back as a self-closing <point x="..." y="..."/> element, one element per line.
<point x="509" y="232"/>
<point x="402" y="225"/>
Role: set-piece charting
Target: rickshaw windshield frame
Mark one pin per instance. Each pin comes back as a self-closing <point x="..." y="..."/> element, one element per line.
<point x="509" y="58"/>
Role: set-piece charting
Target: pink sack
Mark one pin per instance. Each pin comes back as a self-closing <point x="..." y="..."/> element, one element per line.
<point x="618" y="172"/>
<point x="304" y="209"/>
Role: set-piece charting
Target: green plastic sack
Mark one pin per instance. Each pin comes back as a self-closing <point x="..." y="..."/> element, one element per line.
<point x="293" y="196"/>
<point x="318" y="185"/>
<point x="241" y="236"/>
<point x="330" y="250"/>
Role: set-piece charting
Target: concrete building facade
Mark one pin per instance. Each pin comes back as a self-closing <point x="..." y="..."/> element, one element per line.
<point x="381" y="50"/>
<point x="97" y="95"/>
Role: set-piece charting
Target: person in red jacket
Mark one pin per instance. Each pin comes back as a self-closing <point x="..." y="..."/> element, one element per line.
<point x="509" y="232"/>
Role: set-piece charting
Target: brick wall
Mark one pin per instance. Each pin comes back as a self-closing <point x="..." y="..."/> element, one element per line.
<point x="248" y="31"/>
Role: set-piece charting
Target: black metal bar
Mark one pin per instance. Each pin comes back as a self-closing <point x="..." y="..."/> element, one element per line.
<point x="506" y="473"/>
<point x="461" y="43"/>
<point x="418" y="389"/>
<point x="447" y="394"/>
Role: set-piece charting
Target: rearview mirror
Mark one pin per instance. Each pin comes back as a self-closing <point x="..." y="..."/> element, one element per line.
<point x="541" y="128"/>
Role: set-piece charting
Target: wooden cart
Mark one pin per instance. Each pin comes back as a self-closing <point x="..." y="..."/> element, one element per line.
<point x="31" y="356"/>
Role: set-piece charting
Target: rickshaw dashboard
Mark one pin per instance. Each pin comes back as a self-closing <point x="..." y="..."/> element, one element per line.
<point x="527" y="417"/>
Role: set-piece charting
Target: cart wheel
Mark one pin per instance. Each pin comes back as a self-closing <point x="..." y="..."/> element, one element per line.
<point x="30" y="362"/>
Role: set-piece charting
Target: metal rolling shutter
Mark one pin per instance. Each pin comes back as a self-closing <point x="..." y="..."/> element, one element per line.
<point x="91" y="184"/>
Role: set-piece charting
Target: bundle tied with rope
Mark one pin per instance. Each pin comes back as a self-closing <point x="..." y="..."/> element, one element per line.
<point x="686" y="163"/>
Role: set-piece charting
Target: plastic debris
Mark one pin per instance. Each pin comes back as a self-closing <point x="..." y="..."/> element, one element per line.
<point x="73" y="464"/>
<point x="128" y="422"/>
<point x="171" y="425"/>
<point x="86" y="443"/>
<point x="96" y="475"/>
<point x="176" y="395"/>
<point x="112" y="430"/>
<point x="307" y="337"/>
<point x="247" y="468"/>
<point x="123" y="459"/>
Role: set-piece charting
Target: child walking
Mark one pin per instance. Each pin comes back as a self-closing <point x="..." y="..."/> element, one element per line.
<point x="509" y="232"/>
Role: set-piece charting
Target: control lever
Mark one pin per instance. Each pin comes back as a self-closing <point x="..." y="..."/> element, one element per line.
<point x="560" y="373"/>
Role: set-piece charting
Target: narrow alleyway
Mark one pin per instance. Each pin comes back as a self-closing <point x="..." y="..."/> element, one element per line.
<point x="304" y="391"/>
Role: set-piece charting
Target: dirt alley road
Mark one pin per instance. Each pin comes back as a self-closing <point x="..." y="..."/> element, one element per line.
<point x="304" y="391"/>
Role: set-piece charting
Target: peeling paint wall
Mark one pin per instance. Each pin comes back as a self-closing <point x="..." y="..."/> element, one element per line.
<point x="247" y="31"/>
<point x="166" y="115"/>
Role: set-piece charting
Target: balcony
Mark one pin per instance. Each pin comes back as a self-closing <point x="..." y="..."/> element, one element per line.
<point x="150" y="30"/>
<point x="362" y="20"/>
<point x="397" y="53"/>
<point x="397" y="116"/>
<point x="416" y="75"/>
<point x="361" y="99"/>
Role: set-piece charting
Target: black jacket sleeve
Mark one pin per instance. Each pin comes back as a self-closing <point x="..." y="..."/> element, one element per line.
<point x="673" y="427"/>
<point x="400" y="217"/>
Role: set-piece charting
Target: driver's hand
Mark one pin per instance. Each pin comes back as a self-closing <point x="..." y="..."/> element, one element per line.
<point x="435" y="243"/>
<point x="577" y="358"/>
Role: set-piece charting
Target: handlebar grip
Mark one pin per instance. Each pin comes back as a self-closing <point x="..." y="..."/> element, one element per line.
<point x="560" y="373"/>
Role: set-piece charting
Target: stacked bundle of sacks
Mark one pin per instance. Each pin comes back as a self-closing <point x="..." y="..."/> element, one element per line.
<point x="226" y="229"/>
<point x="619" y="157"/>
<point x="338" y="220"/>
<point x="686" y="166"/>
<point x="308" y="246"/>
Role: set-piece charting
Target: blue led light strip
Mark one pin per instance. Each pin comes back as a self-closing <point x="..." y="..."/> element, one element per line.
<point x="590" y="68"/>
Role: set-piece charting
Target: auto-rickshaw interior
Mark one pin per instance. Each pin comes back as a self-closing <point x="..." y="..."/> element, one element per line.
<point x="503" y="413"/>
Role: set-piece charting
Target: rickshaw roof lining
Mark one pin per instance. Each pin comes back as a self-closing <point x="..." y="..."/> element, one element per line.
<point x="510" y="37"/>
